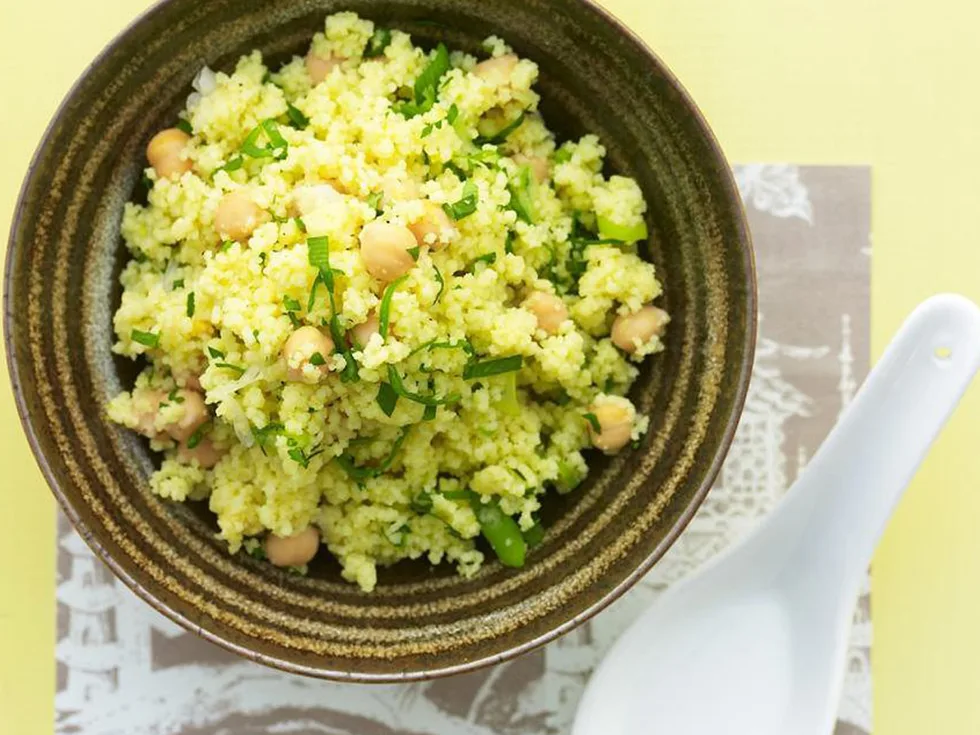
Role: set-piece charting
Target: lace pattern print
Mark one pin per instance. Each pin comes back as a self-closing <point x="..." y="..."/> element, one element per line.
<point x="123" y="669"/>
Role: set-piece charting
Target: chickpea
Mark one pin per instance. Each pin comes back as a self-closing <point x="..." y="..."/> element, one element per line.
<point x="237" y="216"/>
<point x="616" y="424"/>
<point x="537" y="164"/>
<point x="629" y="331"/>
<point x="384" y="250"/>
<point x="204" y="453"/>
<point x="195" y="414"/>
<point x="164" y="152"/>
<point x="319" y="67"/>
<point x="298" y="353"/>
<point x="365" y="330"/>
<point x="292" y="551"/>
<point x="548" y="309"/>
<point x="496" y="71"/>
<point x="433" y="228"/>
<point x="149" y="401"/>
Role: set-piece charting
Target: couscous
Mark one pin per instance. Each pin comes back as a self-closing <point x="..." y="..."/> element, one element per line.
<point x="381" y="310"/>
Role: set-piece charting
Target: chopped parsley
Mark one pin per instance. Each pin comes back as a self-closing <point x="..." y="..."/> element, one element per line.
<point x="501" y="135"/>
<point x="414" y="252"/>
<point x="442" y="285"/>
<point x="199" y="433"/>
<point x="145" y="338"/>
<point x="426" y="87"/>
<point x="374" y="201"/>
<point x="190" y="304"/>
<point x="232" y="164"/>
<point x="300" y="456"/>
<point x="378" y="42"/>
<point x="387" y="398"/>
<point x="184" y="125"/>
<point x="520" y="195"/>
<point x="234" y="368"/>
<point x="384" y="312"/>
<point x="563" y="155"/>
<point x="493" y="366"/>
<point x="318" y="254"/>
<point x="431" y="400"/>
<point x="593" y="422"/>
<point x="466" y="205"/>
<point x="291" y="304"/>
<point x="296" y="117"/>
<point x="452" y="113"/>
<point x="215" y="353"/>
<point x="268" y="431"/>
<point x="346" y="461"/>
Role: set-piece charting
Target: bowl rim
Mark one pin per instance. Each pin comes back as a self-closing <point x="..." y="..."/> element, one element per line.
<point x="743" y="234"/>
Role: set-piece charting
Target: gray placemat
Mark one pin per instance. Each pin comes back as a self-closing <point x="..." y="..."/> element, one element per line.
<point x="123" y="669"/>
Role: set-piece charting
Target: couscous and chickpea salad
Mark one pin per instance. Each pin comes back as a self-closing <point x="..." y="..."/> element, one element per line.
<point x="380" y="310"/>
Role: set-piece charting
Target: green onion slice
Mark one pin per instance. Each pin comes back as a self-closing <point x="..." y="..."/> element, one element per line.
<point x="493" y="366"/>
<point x="396" y="384"/>
<point x="145" y="338"/>
<point x="384" y="313"/>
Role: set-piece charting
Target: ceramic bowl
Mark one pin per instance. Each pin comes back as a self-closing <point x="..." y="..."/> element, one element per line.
<point x="65" y="256"/>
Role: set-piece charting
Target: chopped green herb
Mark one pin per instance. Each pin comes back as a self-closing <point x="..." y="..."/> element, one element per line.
<point x="534" y="535"/>
<point x="396" y="383"/>
<point x="563" y="155"/>
<point x="145" y="338"/>
<point x="174" y="397"/>
<point x="300" y="223"/>
<point x="185" y="125"/>
<point x="429" y="413"/>
<point x="426" y="131"/>
<point x="452" y="114"/>
<point x="569" y="477"/>
<point x="318" y="254"/>
<point x="378" y="42"/>
<point x="501" y="135"/>
<point x="466" y="205"/>
<point x="387" y="398"/>
<point x="346" y="461"/>
<point x="509" y="243"/>
<point x="226" y="245"/>
<point x="190" y="304"/>
<point x="216" y="354"/>
<point x="299" y="456"/>
<point x="384" y="312"/>
<point x="199" y="433"/>
<point x="414" y="252"/>
<point x="520" y="195"/>
<point x="179" y="283"/>
<point x="228" y="366"/>
<point x="291" y="304"/>
<point x="374" y="201"/>
<point x="426" y="87"/>
<point x="488" y="258"/>
<point x="484" y="157"/>
<point x="493" y="366"/>
<point x="277" y="148"/>
<point x="265" y="433"/>
<point x="562" y="398"/>
<point x="232" y="164"/>
<point x="296" y="117"/>
<point x="593" y="422"/>
<point x="257" y="552"/>
<point x="422" y="503"/>
<point x="462" y="344"/>
<point x="466" y="495"/>
<point x="147" y="182"/>
<point x="317" y="359"/>
<point x="442" y="285"/>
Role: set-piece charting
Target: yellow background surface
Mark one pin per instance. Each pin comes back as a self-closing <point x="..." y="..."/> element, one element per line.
<point x="893" y="83"/>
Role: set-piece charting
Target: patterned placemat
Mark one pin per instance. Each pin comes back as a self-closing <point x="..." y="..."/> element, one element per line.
<point x="123" y="669"/>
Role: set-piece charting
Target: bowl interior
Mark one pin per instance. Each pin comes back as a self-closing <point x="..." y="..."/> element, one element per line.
<point x="62" y="287"/>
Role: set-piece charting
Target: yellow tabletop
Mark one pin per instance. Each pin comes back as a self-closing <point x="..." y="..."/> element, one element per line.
<point x="835" y="81"/>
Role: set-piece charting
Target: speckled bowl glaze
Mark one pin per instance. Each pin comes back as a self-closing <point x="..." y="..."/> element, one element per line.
<point x="65" y="256"/>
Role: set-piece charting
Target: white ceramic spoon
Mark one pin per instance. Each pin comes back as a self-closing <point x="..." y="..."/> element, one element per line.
<point x="754" y="643"/>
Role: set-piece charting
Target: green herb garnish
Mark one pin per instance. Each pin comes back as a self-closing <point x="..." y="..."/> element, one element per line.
<point x="452" y="113"/>
<point x="291" y="304"/>
<point x="569" y="477"/>
<point x="396" y="384"/>
<point x="317" y="359"/>
<point x="422" y="502"/>
<point x="300" y="223"/>
<point x="277" y="148"/>
<point x="318" y="254"/>
<point x="296" y="117"/>
<point x="429" y="413"/>
<point x="232" y="164"/>
<point x="228" y="366"/>
<point x="488" y="258"/>
<point x="194" y="439"/>
<point x="442" y="285"/>
<point x="145" y="338"/>
<point x="378" y="42"/>
<point x="299" y="456"/>
<point x="501" y="135"/>
<point x="493" y="366"/>
<point x="501" y="531"/>
<point x="534" y="535"/>
<point x="466" y="205"/>
<point x="346" y="461"/>
<point x="215" y="354"/>
<point x="190" y="304"/>
<point x="265" y="433"/>
<point x="226" y="245"/>
<point x="185" y="125"/>
<point x="179" y="283"/>
<point x="384" y="312"/>
<point x="374" y="201"/>
<point x="414" y="252"/>
<point x="563" y="155"/>
<point x="387" y="398"/>
<point x="593" y="422"/>
<point x="426" y="88"/>
<point x="520" y="195"/>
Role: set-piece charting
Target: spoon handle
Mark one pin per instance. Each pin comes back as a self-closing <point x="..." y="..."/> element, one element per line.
<point x="838" y="509"/>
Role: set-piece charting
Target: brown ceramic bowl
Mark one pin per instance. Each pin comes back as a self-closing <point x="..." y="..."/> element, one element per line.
<point x="65" y="256"/>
